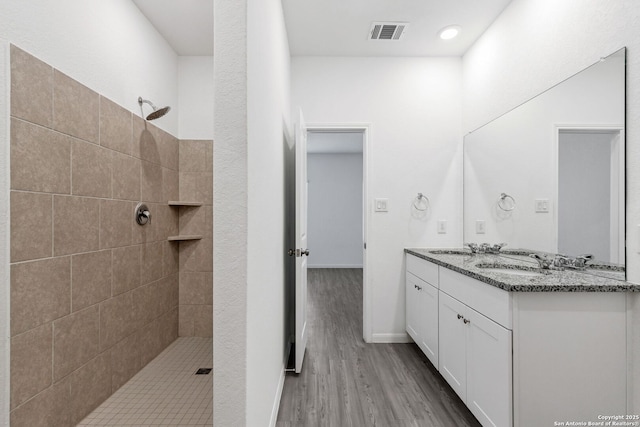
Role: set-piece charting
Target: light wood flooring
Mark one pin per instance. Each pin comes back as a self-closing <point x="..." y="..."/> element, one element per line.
<point x="346" y="382"/>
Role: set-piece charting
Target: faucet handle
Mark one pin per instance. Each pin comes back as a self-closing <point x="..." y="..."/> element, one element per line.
<point x="543" y="260"/>
<point x="473" y="247"/>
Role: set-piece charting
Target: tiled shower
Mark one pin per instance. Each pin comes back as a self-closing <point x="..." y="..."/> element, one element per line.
<point x="95" y="296"/>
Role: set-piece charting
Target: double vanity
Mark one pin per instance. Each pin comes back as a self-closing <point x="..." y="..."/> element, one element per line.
<point x="521" y="346"/>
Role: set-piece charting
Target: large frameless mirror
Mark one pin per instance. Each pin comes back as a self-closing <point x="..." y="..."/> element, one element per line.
<point x="549" y="175"/>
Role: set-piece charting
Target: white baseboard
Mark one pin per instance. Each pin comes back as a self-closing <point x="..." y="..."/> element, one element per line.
<point x="400" y="338"/>
<point x="276" y="403"/>
<point x="334" y="265"/>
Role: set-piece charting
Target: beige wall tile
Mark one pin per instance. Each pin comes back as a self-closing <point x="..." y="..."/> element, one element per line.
<point x="40" y="292"/>
<point x="126" y="269"/>
<point x="150" y="182"/>
<point x="203" y="321"/>
<point x="145" y="144"/>
<point x="116" y="127"/>
<point x="90" y="386"/>
<point x="196" y="288"/>
<point x="186" y="315"/>
<point x="76" y="225"/>
<point x="170" y="258"/>
<point x="31" y="88"/>
<point x="30" y="364"/>
<point x="169" y="150"/>
<point x="148" y="232"/>
<point x="31" y="226"/>
<point x="197" y="186"/>
<point x="125" y="361"/>
<point x="169" y="327"/>
<point x="40" y="159"/>
<point x="115" y="223"/>
<point x="117" y="320"/>
<point x="51" y="408"/>
<point x="170" y="185"/>
<point x="167" y="289"/>
<point x="193" y="155"/>
<point x="146" y="303"/>
<point x="90" y="170"/>
<point x="75" y="108"/>
<point x="90" y="279"/>
<point x="150" y="262"/>
<point x="126" y="177"/>
<point x="208" y="222"/>
<point x="75" y="341"/>
<point x="196" y="255"/>
<point x="192" y="220"/>
<point x="209" y="156"/>
<point x="167" y="218"/>
<point x="151" y="341"/>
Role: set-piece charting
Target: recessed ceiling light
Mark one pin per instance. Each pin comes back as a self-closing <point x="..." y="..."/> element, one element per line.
<point x="449" y="32"/>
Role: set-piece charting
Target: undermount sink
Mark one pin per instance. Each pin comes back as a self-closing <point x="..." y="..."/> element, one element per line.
<point x="514" y="270"/>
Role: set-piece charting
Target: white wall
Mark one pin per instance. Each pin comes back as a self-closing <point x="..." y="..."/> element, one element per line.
<point x="108" y="46"/>
<point x="195" y="97"/>
<point x="413" y="106"/>
<point x="537" y="43"/>
<point x="335" y="210"/>
<point x="268" y="117"/>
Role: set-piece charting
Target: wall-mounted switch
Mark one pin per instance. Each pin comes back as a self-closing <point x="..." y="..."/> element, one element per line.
<point x="480" y="227"/>
<point x="381" y="205"/>
<point x="542" y="205"/>
<point x="442" y="226"/>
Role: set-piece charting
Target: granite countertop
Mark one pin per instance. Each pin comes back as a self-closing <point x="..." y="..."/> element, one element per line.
<point x="607" y="279"/>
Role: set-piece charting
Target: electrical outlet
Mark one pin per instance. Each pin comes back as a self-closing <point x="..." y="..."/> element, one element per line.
<point x="381" y="205"/>
<point x="442" y="226"/>
<point x="480" y="227"/>
<point x="542" y="205"/>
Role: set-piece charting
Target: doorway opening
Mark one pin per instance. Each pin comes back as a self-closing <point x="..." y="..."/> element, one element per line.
<point x="337" y="202"/>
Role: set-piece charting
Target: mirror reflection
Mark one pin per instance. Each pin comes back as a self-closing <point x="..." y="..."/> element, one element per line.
<point x="549" y="175"/>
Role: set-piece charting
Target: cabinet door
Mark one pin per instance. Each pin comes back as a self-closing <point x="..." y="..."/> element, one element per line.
<point x="428" y="326"/>
<point x="452" y="359"/>
<point x="411" y="307"/>
<point x="489" y="371"/>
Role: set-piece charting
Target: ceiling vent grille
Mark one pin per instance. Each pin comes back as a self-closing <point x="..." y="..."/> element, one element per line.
<point x="387" y="30"/>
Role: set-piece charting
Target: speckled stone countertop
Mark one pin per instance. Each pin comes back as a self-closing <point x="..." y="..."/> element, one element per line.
<point x="475" y="266"/>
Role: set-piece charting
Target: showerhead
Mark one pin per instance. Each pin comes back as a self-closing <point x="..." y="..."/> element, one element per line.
<point x="157" y="113"/>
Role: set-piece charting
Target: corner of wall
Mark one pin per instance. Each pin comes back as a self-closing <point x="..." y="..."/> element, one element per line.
<point x="4" y="232"/>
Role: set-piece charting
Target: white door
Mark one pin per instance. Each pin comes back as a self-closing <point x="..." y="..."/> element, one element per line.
<point x="489" y="371"/>
<point x="452" y="346"/>
<point x="301" y="250"/>
<point x="411" y="298"/>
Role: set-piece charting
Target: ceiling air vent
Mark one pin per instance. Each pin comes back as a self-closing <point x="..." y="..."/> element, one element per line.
<point x="387" y="30"/>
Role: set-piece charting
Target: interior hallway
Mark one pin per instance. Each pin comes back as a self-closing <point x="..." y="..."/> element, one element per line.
<point x="345" y="382"/>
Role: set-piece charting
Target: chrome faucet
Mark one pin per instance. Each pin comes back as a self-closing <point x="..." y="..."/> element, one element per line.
<point x="487" y="248"/>
<point x="560" y="261"/>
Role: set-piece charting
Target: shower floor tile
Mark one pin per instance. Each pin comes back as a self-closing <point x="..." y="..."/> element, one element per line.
<point x="166" y="392"/>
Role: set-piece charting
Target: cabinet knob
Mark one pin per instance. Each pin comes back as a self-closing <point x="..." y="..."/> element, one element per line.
<point x="466" y="321"/>
<point x="459" y="316"/>
<point x="419" y="288"/>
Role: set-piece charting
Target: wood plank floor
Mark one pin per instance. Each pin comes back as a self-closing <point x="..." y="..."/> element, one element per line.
<point x="346" y="382"/>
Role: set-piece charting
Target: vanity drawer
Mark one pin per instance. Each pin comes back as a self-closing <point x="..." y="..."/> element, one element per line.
<point x="488" y="300"/>
<point x="423" y="269"/>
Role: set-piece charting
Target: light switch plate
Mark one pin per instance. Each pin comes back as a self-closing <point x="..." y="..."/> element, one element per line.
<point x="480" y="227"/>
<point x="442" y="226"/>
<point x="381" y="205"/>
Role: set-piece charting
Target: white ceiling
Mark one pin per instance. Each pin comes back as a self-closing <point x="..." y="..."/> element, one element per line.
<point x="334" y="142"/>
<point x="187" y="25"/>
<point x="337" y="27"/>
<point x="341" y="27"/>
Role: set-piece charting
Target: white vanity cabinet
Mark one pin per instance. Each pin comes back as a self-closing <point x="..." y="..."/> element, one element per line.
<point x="475" y="359"/>
<point x="422" y="305"/>
<point x="519" y="358"/>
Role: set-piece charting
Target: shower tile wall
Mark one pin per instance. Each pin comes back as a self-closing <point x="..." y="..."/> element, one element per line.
<point x="94" y="296"/>
<point x="196" y="257"/>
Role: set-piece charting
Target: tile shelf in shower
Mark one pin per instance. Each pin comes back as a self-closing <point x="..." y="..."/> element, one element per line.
<point x="184" y="203"/>
<point x="185" y="237"/>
